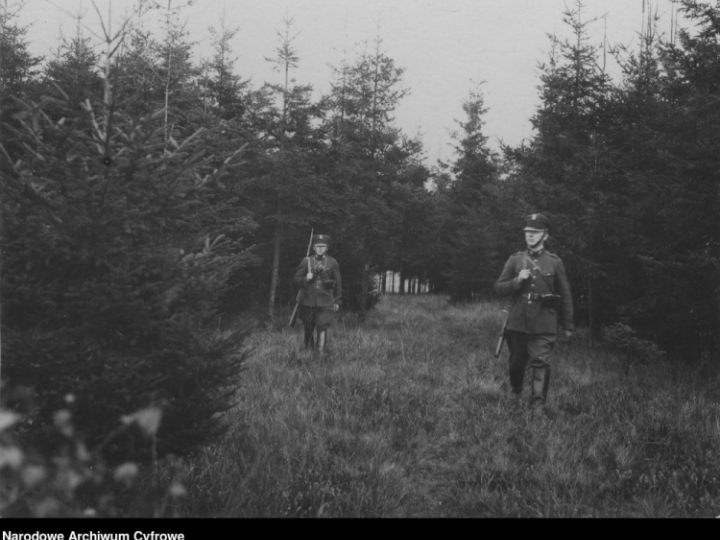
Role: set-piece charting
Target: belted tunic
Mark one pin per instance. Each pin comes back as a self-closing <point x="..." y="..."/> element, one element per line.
<point x="325" y="288"/>
<point x="547" y="277"/>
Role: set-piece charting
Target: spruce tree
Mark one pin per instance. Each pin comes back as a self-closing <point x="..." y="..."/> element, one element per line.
<point x="667" y="146"/>
<point x="286" y="187"/>
<point x="370" y="155"/>
<point x="111" y="276"/>
<point x="18" y="69"/>
<point x="469" y="239"/>
<point x="563" y="168"/>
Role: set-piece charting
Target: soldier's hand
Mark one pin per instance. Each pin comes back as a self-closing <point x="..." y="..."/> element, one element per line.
<point x="309" y="276"/>
<point x="568" y="334"/>
<point x="336" y="307"/>
<point x="523" y="275"/>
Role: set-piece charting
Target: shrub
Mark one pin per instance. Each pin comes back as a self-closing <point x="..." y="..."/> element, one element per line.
<point x="69" y="480"/>
<point x="113" y="267"/>
<point x="620" y="338"/>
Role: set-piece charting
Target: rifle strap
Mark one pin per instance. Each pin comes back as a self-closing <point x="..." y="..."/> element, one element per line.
<point x="526" y="259"/>
<point x="317" y="264"/>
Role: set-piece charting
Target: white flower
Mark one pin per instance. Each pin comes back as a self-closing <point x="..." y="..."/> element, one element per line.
<point x="126" y="472"/>
<point x="176" y="489"/>
<point x="7" y="419"/>
<point x="148" y="419"/>
<point x="33" y="474"/>
<point x="11" y="455"/>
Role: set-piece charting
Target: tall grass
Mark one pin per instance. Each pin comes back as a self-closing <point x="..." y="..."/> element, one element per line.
<point x="410" y="416"/>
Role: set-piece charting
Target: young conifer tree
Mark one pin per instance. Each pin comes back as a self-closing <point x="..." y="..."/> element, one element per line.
<point x="370" y="153"/>
<point x="287" y="182"/>
<point x="469" y="235"/>
<point x="564" y="165"/>
<point x="18" y="68"/>
<point x="112" y="277"/>
<point x="223" y="88"/>
<point x="667" y="147"/>
<point x="286" y="60"/>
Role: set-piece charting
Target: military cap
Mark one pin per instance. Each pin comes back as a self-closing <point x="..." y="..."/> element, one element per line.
<point x="321" y="239"/>
<point x="536" y="222"/>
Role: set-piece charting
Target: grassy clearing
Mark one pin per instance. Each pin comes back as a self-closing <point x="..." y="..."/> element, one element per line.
<point x="410" y="417"/>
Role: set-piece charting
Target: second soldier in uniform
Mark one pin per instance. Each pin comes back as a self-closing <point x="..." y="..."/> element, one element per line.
<point x="542" y="301"/>
<point x="319" y="276"/>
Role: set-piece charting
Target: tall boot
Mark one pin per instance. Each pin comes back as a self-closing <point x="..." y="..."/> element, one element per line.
<point x="540" y="383"/>
<point x="309" y="340"/>
<point x="322" y="335"/>
<point x="517" y="375"/>
<point x="518" y="358"/>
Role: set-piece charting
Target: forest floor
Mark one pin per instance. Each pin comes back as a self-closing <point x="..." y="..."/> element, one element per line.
<point x="410" y="416"/>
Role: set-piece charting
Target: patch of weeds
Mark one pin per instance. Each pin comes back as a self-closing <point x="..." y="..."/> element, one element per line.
<point x="404" y="423"/>
<point x="336" y="488"/>
<point x="622" y="339"/>
<point x="67" y="479"/>
<point x="309" y="493"/>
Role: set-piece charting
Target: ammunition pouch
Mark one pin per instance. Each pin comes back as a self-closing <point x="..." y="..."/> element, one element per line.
<point x="328" y="284"/>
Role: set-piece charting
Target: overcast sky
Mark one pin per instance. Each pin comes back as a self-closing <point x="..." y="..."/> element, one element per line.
<point x="444" y="46"/>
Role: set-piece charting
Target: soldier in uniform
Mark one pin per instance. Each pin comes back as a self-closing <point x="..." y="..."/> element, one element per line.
<point x="319" y="276"/>
<point x="541" y="299"/>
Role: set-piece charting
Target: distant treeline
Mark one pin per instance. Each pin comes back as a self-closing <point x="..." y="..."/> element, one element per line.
<point x="144" y="194"/>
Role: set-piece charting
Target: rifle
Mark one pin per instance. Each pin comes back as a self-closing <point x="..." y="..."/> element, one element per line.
<point x="293" y="317"/>
<point x="501" y="339"/>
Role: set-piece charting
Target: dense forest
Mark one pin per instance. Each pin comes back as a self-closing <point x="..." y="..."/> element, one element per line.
<point x="147" y="197"/>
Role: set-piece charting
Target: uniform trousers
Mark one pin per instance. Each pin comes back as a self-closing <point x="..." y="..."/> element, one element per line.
<point x="319" y="317"/>
<point x="523" y="347"/>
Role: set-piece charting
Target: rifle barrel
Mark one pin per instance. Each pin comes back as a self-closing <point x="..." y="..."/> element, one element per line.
<point x="293" y="317"/>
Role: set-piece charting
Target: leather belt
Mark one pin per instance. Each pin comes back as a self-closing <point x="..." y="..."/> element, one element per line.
<point x="532" y="296"/>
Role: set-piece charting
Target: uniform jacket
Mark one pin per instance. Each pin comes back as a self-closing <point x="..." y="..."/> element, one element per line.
<point x="547" y="276"/>
<point x="325" y="288"/>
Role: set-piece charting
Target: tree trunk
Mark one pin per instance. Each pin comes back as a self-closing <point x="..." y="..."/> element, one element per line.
<point x="364" y="294"/>
<point x="278" y="227"/>
<point x="167" y="78"/>
<point x="275" y="276"/>
<point x="592" y="323"/>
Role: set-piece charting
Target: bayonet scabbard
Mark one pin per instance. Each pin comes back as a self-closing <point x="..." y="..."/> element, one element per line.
<point x="501" y="337"/>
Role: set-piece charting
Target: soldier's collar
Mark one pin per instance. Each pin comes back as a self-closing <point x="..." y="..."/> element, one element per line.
<point x="536" y="253"/>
